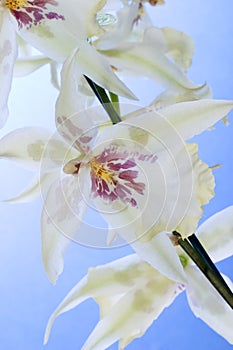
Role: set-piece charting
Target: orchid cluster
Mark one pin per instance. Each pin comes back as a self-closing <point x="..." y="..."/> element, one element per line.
<point x="135" y="165"/>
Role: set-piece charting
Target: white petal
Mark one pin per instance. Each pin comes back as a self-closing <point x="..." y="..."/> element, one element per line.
<point x="216" y="234"/>
<point x="26" y="146"/>
<point x="180" y="47"/>
<point x="139" y="307"/>
<point x="33" y="189"/>
<point x="62" y="214"/>
<point x="147" y="60"/>
<point x="73" y="123"/>
<point x="202" y="192"/>
<point x="168" y="97"/>
<point x="102" y="281"/>
<point x="160" y="253"/>
<point x="207" y="304"/>
<point x="187" y="119"/>
<point x="27" y="65"/>
<point x="192" y="118"/>
<point x="122" y="28"/>
<point x="81" y="17"/>
<point x="8" y="54"/>
<point x="96" y="67"/>
<point x="127" y="284"/>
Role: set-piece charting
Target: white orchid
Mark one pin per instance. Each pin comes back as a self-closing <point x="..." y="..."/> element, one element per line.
<point x="132" y="294"/>
<point x="112" y="167"/>
<point x="56" y="28"/>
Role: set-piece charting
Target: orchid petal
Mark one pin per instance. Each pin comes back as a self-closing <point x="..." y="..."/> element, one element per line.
<point x="127" y="281"/>
<point x="207" y="304"/>
<point x="186" y="118"/>
<point x="33" y="189"/>
<point x="73" y="123"/>
<point x="160" y="253"/>
<point x="102" y="281"/>
<point x="216" y="234"/>
<point x="25" y="66"/>
<point x="121" y="30"/>
<point x="60" y="222"/>
<point x="139" y="308"/>
<point x="8" y="54"/>
<point x="55" y="38"/>
<point x="26" y="146"/>
<point x="96" y="67"/>
<point x="180" y="47"/>
<point x="192" y="118"/>
<point x="84" y="13"/>
<point x="168" y="97"/>
<point x="144" y="58"/>
<point x="181" y="184"/>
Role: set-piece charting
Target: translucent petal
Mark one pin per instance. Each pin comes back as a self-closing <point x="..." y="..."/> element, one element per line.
<point x="127" y="284"/>
<point x="33" y="189"/>
<point x="27" y="65"/>
<point x="216" y="234"/>
<point x="168" y="97"/>
<point x="180" y="47"/>
<point x="122" y="28"/>
<point x="74" y="123"/>
<point x="207" y="304"/>
<point x="147" y="60"/>
<point x="103" y="281"/>
<point x="62" y="214"/>
<point x="8" y="54"/>
<point x="139" y="307"/>
<point x="187" y="119"/>
<point x="26" y="146"/>
<point x="81" y="17"/>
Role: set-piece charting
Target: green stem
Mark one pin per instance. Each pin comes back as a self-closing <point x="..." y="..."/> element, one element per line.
<point x="209" y="272"/>
<point x="115" y="101"/>
<point x="104" y="100"/>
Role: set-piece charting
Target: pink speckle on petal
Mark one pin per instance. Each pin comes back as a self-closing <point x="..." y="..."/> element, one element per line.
<point x="112" y="175"/>
<point x="33" y="12"/>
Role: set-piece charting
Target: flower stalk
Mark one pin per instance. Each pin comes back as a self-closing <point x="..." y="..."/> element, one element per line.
<point x="198" y="254"/>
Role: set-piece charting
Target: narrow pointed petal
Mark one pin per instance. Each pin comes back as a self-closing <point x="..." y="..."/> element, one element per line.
<point x="8" y="54"/>
<point x="127" y="284"/>
<point x="147" y="60"/>
<point x="35" y="148"/>
<point x="180" y="47"/>
<point x="121" y="30"/>
<point x="25" y="146"/>
<point x="96" y="67"/>
<point x="73" y="123"/>
<point x="27" y="65"/>
<point x="186" y="118"/>
<point x="207" y="304"/>
<point x="102" y="281"/>
<point x="33" y="189"/>
<point x="160" y="253"/>
<point x="168" y="97"/>
<point x="216" y="234"/>
<point x="192" y="118"/>
<point x="138" y="309"/>
<point x="61" y="218"/>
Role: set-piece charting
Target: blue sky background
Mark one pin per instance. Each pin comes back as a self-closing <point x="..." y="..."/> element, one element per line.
<point x="27" y="297"/>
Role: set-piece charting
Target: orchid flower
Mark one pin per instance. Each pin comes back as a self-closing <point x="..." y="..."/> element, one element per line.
<point x="56" y="28"/>
<point x="110" y="168"/>
<point x="132" y="294"/>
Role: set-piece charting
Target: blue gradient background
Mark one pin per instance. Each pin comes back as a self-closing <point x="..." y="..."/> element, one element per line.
<point x="27" y="297"/>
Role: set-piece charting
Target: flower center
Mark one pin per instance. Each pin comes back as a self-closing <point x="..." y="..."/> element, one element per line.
<point x="100" y="172"/>
<point x="15" y="5"/>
